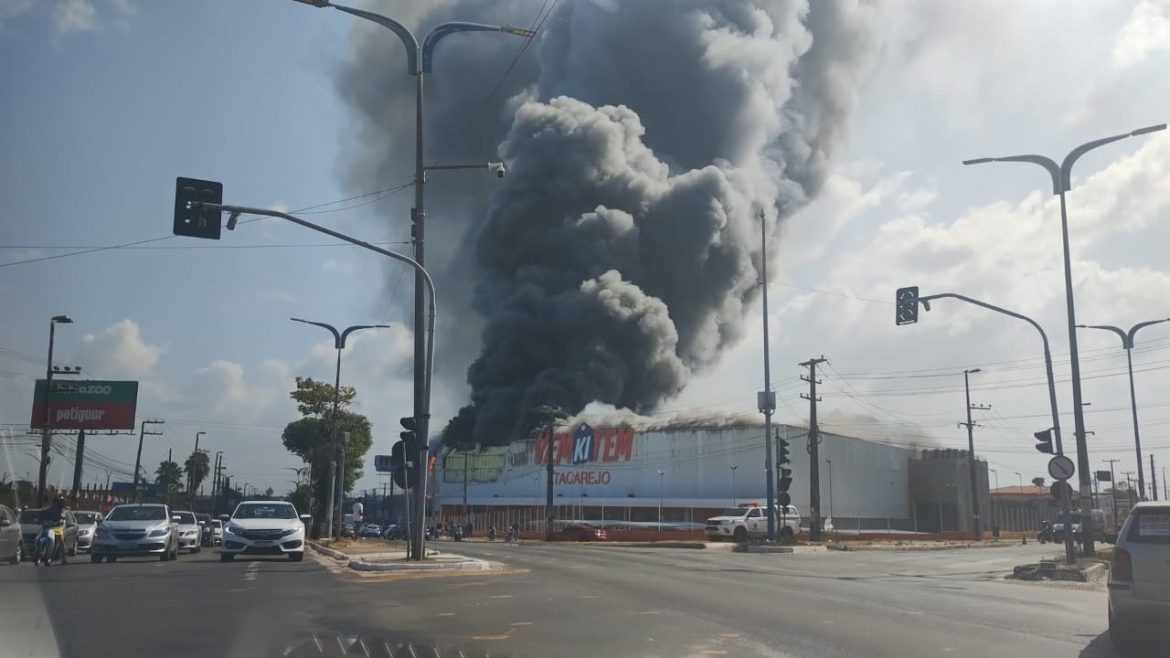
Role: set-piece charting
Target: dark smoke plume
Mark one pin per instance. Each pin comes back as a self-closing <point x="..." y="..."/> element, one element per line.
<point x="622" y="251"/>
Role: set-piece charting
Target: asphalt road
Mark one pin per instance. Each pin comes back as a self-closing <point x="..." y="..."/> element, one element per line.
<point x="558" y="600"/>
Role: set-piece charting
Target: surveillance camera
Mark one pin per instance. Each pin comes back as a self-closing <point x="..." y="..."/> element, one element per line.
<point x="925" y="305"/>
<point x="499" y="168"/>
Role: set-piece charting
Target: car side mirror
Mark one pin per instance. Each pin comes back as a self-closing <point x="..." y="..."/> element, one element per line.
<point x="225" y="518"/>
<point x="306" y="518"/>
<point x="99" y="521"/>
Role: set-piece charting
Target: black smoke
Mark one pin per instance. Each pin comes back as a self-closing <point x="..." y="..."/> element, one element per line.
<point x="645" y="141"/>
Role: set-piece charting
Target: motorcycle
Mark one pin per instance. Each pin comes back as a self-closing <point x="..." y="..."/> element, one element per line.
<point x="50" y="540"/>
<point x="492" y="533"/>
<point x="1045" y="535"/>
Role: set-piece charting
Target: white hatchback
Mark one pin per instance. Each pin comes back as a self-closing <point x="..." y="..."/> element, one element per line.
<point x="1139" y="574"/>
<point x="264" y="527"/>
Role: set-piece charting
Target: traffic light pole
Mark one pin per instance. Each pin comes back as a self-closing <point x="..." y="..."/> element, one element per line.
<point x="1070" y="553"/>
<point x="423" y="419"/>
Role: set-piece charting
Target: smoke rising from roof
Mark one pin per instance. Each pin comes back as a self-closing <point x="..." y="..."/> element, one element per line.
<point x="622" y="251"/>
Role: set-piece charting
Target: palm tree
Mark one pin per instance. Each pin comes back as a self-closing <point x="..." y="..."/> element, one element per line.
<point x="168" y="474"/>
<point x="197" y="467"/>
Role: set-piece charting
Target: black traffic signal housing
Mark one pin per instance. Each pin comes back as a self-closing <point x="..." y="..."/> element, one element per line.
<point x="906" y="305"/>
<point x="784" y="499"/>
<point x="410" y="436"/>
<point x="192" y="218"/>
<point x="782" y="456"/>
<point x="402" y="466"/>
<point x="1045" y="441"/>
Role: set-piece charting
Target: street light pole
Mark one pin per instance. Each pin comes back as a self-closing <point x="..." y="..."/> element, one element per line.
<point x="47" y="421"/>
<point x="418" y="63"/>
<point x="830" y="463"/>
<point x="660" y="474"/>
<point x="733" y="468"/>
<point x="339" y="338"/>
<point x="1127" y="343"/>
<point x="1061" y="183"/>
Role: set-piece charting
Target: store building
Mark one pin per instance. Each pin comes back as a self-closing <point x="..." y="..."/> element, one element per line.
<point x="677" y="475"/>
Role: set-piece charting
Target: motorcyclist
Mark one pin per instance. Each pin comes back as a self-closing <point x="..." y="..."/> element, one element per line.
<point x="53" y="522"/>
<point x="1045" y="534"/>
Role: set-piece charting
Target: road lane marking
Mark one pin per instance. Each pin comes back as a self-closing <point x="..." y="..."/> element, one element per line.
<point x="521" y="623"/>
<point x="500" y="596"/>
<point x="445" y="614"/>
<point x="497" y="636"/>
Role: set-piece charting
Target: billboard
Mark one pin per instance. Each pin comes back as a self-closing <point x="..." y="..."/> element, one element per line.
<point x="86" y="405"/>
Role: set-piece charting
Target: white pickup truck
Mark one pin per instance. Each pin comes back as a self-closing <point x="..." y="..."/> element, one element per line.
<point x="748" y="521"/>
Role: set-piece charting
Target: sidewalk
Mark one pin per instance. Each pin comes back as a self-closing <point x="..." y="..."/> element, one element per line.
<point x="907" y="545"/>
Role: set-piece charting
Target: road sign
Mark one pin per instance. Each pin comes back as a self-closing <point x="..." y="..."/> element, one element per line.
<point x="1061" y="467"/>
<point x="383" y="463"/>
<point x="784" y="499"/>
<point x="1059" y="489"/>
<point x="89" y="404"/>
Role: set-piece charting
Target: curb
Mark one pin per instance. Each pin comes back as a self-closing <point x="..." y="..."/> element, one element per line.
<point x="764" y="548"/>
<point x="336" y="555"/>
<point x="406" y="567"/>
<point x="911" y="549"/>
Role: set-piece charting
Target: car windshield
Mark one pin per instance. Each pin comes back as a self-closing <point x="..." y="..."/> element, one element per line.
<point x="216" y="523"/>
<point x="138" y="513"/>
<point x="30" y="516"/>
<point x="85" y="518"/>
<point x="1076" y="518"/>
<point x="265" y="511"/>
<point x="185" y="518"/>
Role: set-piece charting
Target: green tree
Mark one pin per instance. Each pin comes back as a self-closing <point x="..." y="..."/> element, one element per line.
<point x="168" y="474"/>
<point x="299" y="497"/>
<point x="309" y="437"/>
<point x="197" y="467"/>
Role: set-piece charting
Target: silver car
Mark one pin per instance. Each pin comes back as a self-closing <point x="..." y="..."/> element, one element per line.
<point x="136" y="529"/>
<point x="1139" y="574"/>
<point x="87" y="523"/>
<point x="190" y="532"/>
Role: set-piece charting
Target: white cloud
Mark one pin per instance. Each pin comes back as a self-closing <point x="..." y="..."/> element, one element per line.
<point x="75" y="16"/>
<point x="1146" y="33"/>
<point x="119" y="351"/>
<point x="10" y="9"/>
<point x="220" y="390"/>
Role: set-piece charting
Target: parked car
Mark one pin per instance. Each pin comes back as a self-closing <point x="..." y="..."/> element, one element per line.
<point x="371" y="530"/>
<point x="581" y="532"/>
<point x="216" y="532"/>
<point x="136" y="529"/>
<point x="265" y="527"/>
<point x="204" y="528"/>
<point x="1139" y="597"/>
<point x="30" y="527"/>
<point x="87" y="523"/>
<point x="189" y="531"/>
<point x="392" y="532"/>
<point x="749" y="521"/>
<point x="11" y="546"/>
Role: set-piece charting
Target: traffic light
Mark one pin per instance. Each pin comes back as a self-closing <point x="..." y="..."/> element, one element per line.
<point x="784" y="498"/>
<point x="1045" y="439"/>
<point x="399" y="469"/>
<point x="906" y="305"/>
<point x="410" y="436"/>
<point x="782" y="452"/>
<point x="192" y="218"/>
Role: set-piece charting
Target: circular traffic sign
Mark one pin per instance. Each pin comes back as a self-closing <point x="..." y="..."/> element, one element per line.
<point x="1061" y="467"/>
<point x="784" y="499"/>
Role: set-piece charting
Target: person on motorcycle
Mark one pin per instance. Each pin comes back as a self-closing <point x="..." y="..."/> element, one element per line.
<point x="53" y="522"/>
<point x="1045" y="534"/>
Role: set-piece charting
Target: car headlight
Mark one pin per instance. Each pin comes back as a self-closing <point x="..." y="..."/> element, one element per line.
<point x="235" y="529"/>
<point x="290" y="531"/>
<point x="160" y="532"/>
<point x="85" y="532"/>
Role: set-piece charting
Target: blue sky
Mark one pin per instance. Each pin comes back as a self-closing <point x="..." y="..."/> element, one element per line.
<point x="104" y="109"/>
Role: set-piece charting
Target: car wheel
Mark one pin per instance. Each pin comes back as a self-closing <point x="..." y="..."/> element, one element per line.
<point x="740" y="535"/>
<point x="1120" y="633"/>
<point x="95" y="558"/>
<point x="165" y="555"/>
<point x="786" y="534"/>
<point x="226" y="557"/>
<point x="296" y="557"/>
<point x="16" y="557"/>
<point x="73" y="553"/>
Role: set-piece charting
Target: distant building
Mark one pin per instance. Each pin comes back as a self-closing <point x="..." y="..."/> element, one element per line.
<point x="1023" y="508"/>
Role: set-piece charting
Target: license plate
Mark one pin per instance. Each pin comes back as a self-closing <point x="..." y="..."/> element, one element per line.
<point x="263" y="543"/>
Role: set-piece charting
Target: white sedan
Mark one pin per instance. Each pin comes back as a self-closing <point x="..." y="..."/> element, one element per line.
<point x="264" y="528"/>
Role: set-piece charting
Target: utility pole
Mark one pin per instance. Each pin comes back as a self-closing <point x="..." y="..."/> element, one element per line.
<point x="138" y="459"/>
<point x="341" y="480"/>
<point x="80" y="456"/>
<point x="465" y="486"/>
<point x="1113" y="486"/>
<point x="814" y="442"/>
<point x="1153" y="479"/>
<point x="766" y="399"/>
<point x="47" y="419"/>
<point x="976" y="526"/>
<point x="548" y="495"/>
<point x="217" y="482"/>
